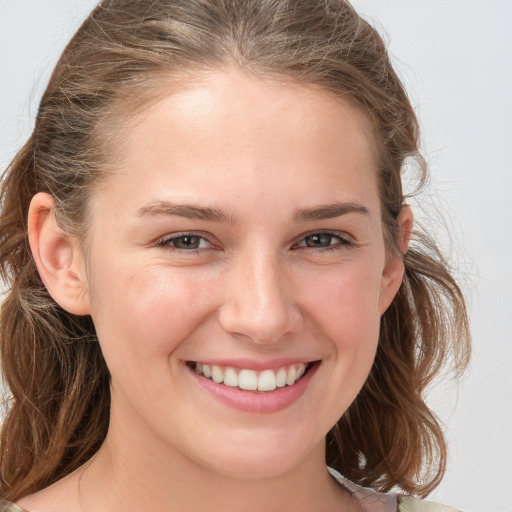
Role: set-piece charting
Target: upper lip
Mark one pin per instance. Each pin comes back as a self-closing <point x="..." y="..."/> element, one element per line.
<point x="257" y="365"/>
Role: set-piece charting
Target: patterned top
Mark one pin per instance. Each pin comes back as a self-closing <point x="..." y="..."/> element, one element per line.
<point x="374" y="501"/>
<point x="10" y="507"/>
<point x="369" y="500"/>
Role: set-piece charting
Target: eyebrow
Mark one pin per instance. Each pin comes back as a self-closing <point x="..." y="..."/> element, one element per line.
<point x="190" y="211"/>
<point x="329" y="211"/>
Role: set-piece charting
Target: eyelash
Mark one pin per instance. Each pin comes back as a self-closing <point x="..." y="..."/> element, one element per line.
<point x="166" y="242"/>
<point x="344" y="241"/>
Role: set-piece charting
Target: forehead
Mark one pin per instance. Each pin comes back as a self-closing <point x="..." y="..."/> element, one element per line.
<point x="230" y="131"/>
<point x="231" y="96"/>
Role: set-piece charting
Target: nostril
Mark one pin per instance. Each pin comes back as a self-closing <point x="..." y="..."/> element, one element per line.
<point x="260" y="328"/>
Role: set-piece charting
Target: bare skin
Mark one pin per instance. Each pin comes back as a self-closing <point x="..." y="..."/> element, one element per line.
<point x="292" y="266"/>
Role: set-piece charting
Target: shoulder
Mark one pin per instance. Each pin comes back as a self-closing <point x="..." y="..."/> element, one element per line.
<point x="410" y="504"/>
<point x="368" y="499"/>
<point x="372" y="501"/>
<point x="5" y="506"/>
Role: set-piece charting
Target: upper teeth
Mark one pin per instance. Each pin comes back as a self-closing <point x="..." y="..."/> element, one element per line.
<point x="266" y="380"/>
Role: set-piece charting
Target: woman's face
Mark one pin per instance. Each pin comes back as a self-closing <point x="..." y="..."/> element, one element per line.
<point x="240" y="241"/>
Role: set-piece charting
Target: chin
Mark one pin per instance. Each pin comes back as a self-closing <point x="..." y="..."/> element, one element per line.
<point x="260" y="456"/>
<point x="244" y="467"/>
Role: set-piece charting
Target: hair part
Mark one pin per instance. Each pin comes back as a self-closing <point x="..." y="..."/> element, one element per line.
<point x="120" y="60"/>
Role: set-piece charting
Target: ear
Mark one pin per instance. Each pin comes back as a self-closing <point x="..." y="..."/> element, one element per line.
<point x="58" y="257"/>
<point x="394" y="270"/>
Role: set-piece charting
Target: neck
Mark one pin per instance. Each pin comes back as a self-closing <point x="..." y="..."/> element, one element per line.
<point x="129" y="477"/>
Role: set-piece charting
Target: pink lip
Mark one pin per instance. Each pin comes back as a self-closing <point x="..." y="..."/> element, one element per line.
<point x="255" y="401"/>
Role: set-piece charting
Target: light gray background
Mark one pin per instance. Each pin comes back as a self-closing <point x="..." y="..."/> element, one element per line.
<point x="455" y="57"/>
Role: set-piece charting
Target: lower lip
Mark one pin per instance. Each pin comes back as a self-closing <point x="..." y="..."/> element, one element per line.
<point x="256" y="401"/>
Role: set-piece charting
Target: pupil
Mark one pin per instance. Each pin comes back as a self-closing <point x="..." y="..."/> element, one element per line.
<point x="187" y="242"/>
<point x="318" y="240"/>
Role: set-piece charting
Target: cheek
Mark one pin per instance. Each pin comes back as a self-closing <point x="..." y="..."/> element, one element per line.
<point x="346" y="302"/>
<point x="346" y="316"/>
<point x="145" y="314"/>
<point x="343" y="310"/>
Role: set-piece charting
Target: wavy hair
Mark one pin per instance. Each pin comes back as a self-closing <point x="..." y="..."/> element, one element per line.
<point x="122" y="57"/>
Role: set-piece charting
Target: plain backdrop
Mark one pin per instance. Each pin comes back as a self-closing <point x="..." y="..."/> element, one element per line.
<point x="455" y="58"/>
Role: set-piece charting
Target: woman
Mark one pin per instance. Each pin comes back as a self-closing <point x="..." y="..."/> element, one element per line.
<point x="218" y="300"/>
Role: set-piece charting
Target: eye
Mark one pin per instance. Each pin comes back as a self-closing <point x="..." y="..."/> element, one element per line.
<point x="325" y="240"/>
<point x="185" y="242"/>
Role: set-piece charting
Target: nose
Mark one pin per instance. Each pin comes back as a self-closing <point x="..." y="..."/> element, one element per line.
<point x="259" y="302"/>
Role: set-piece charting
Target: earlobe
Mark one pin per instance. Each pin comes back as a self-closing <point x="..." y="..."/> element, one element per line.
<point x="394" y="270"/>
<point x="57" y="256"/>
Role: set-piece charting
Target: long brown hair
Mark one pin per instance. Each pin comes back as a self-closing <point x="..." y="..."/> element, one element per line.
<point x="58" y="409"/>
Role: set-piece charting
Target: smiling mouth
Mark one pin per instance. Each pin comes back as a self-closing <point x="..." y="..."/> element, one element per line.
<point x="250" y="380"/>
